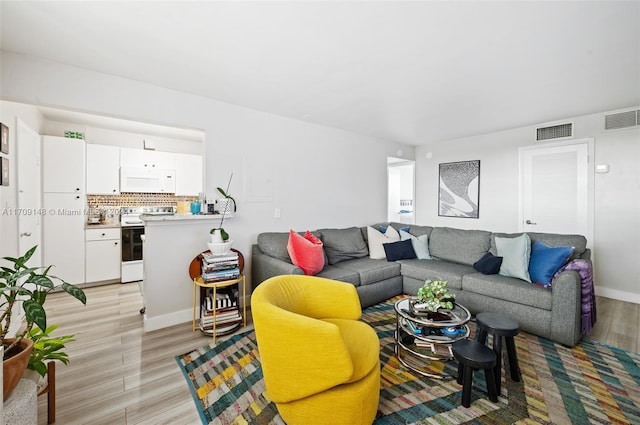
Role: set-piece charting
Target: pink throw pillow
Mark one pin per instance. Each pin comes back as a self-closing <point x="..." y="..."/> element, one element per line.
<point x="306" y="252"/>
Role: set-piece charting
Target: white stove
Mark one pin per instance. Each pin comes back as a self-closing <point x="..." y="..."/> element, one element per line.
<point x="133" y="238"/>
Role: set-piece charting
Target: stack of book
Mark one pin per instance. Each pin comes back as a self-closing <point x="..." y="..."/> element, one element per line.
<point x="224" y="308"/>
<point x="216" y="268"/>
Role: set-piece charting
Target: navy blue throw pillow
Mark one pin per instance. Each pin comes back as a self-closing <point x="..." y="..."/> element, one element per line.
<point x="488" y="264"/>
<point x="401" y="250"/>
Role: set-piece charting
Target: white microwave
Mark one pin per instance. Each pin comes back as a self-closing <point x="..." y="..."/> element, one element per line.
<point x="147" y="180"/>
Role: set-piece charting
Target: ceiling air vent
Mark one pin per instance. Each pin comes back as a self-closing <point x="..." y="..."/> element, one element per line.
<point x="554" y="132"/>
<point x="621" y="120"/>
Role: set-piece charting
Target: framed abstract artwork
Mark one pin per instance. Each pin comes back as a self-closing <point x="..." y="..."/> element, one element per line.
<point x="4" y="138"/>
<point x="4" y="172"/>
<point x="459" y="189"/>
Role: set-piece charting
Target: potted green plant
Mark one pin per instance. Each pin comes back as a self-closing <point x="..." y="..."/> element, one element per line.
<point x="46" y="348"/>
<point x="28" y="286"/>
<point x="220" y="242"/>
<point x="433" y="296"/>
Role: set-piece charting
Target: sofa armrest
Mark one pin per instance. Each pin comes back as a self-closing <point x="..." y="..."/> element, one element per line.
<point x="586" y="255"/>
<point x="566" y="314"/>
<point x="264" y="266"/>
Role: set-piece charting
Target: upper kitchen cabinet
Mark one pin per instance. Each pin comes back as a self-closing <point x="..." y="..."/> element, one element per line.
<point x="103" y="170"/>
<point x="188" y="174"/>
<point x="141" y="158"/>
<point x="63" y="166"/>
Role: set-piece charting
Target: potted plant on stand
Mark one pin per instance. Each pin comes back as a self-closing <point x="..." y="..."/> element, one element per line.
<point x="29" y="287"/>
<point x="433" y="300"/>
<point x="220" y="242"/>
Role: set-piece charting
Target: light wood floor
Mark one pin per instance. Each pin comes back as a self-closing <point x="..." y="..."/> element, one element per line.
<point x="120" y="375"/>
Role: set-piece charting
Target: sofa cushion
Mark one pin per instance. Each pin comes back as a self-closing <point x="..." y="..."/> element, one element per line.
<point x="275" y="245"/>
<point x="376" y="239"/>
<point x="420" y="244"/>
<point x="413" y="229"/>
<point x="436" y="270"/>
<point x="509" y="289"/>
<point x="515" y="253"/>
<point x="306" y="252"/>
<point x="457" y="245"/>
<point x="577" y="242"/>
<point x="343" y="244"/>
<point x="369" y="270"/>
<point x="546" y="261"/>
<point x="343" y="275"/>
<point x="488" y="264"/>
<point x="401" y="250"/>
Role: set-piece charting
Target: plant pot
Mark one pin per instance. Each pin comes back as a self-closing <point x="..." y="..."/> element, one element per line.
<point x="219" y="248"/>
<point x="437" y="316"/>
<point x="13" y="368"/>
<point x="225" y="205"/>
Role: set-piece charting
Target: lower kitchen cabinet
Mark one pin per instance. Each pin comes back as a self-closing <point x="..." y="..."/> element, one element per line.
<point x="103" y="253"/>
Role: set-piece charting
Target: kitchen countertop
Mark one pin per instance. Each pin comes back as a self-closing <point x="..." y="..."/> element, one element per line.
<point x="181" y="217"/>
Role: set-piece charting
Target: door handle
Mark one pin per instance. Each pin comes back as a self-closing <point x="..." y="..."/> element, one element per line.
<point x="530" y="222"/>
<point x="27" y="234"/>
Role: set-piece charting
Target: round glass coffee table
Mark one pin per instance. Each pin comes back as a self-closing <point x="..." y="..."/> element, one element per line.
<point x="423" y="345"/>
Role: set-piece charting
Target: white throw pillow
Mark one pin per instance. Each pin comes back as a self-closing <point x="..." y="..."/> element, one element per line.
<point x="515" y="253"/>
<point x="377" y="238"/>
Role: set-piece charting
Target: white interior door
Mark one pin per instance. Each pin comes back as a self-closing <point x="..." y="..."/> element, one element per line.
<point x="29" y="202"/>
<point x="556" y="188"/>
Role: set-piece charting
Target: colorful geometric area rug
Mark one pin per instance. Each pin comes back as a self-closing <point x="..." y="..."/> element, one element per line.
<point x="590" y="383"/>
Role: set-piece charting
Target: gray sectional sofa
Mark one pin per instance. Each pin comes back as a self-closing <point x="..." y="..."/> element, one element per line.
<point x="553" y="313"/>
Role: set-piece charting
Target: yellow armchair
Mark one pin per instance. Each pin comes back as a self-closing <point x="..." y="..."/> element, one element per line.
<point x="321" y="365"/>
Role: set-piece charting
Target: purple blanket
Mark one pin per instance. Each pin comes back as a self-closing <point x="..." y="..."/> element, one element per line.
<point x="583" y="267"/>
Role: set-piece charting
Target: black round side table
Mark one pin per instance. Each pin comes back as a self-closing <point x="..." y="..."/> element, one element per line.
<point x="471" y="355"/>
<point x="500" y="327"/>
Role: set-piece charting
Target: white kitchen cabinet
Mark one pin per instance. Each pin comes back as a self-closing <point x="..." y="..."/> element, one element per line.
<point x="103" y="254"/>
<point x="63" y="235"/>
<point x="63" y="165"/>
<point x="103" y="169"/>
<point x="188" y="174"/>
<point x="141" y="158"/>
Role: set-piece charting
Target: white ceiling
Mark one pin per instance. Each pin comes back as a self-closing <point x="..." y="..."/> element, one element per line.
<point x="412" y="72"/>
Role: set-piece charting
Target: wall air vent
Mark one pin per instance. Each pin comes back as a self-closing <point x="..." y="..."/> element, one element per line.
<point x="554" y="132"/>
<point x="622" y="120"/>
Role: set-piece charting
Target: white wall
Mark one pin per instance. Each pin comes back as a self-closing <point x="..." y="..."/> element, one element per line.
<point x="316" y="175"/>
<point x="616" y="245"/>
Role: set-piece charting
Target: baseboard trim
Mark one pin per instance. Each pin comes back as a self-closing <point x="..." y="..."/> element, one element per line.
<point x="167" y="320"/>
<point x="618" y="295"/>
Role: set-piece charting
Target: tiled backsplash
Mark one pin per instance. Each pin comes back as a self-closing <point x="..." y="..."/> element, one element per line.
<point x="137" y="199"/>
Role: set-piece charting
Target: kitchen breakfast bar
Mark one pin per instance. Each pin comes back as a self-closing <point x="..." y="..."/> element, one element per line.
<point x="171" y="242"/>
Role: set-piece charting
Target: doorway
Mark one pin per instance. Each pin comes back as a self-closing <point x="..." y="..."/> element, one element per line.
<point x="29" y="205"/>
<point x="400" y="190"/>
<point x="557" y="188"/>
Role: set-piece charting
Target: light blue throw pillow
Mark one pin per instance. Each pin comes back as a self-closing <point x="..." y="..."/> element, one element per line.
<point x="515" y="253"/>
<point x="546" y="261"/>
<point x="420" y="244"/>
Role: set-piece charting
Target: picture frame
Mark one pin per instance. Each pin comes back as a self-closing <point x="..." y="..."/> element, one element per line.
<point x="459" y="189"/>
<point x="4" y="139"/>
<point x="4" y="171"/>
